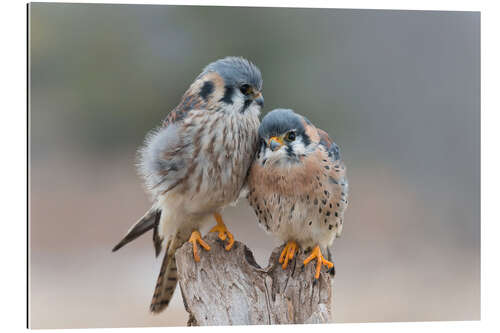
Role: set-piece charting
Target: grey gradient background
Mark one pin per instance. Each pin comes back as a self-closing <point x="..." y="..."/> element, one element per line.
<point x="397" y="90"/>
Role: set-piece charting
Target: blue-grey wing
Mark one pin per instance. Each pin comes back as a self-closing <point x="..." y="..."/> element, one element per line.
<point x="337" y="176"/>
<point x="164" y="158"/>
<point x="167" y="151"/>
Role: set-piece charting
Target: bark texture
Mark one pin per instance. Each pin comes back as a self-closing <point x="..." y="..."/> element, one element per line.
<point x="229" y="287"/>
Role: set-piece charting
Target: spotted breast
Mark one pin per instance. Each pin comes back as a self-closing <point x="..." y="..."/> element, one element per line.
<point x="297" y="184"/>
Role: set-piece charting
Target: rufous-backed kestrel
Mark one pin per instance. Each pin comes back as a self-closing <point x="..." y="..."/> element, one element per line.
<point x="197" y="162"/>
<point x="297" y="186"/>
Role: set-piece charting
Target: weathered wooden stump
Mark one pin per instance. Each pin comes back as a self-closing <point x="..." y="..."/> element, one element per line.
<point x="229" y="288"/>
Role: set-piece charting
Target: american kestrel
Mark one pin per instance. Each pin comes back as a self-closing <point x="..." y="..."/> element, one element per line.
<point x="297" y="186"/>
<point x="197" y="162"/>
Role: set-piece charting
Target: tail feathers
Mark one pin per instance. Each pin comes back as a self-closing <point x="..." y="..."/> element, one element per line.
<point x="149" y="221"/>
<point x="157" y="240"/>
<point x="167" y="281"/>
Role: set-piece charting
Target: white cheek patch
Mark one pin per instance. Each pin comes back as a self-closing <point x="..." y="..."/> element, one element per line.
<point x="298" y="147"/>
<point x="236" y="105"/>
<point x="275" y="158"/>
<point x="272" y="156"/>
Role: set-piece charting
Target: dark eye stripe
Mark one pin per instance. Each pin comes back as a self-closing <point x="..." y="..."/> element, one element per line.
<point x="246" y="104"/>
<point x="228" y="95"/>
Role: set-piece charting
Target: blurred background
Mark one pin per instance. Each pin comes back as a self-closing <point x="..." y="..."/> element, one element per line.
<point x="397" y="90"/>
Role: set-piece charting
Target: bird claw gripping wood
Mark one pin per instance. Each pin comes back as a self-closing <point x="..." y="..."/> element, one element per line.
<point x="316" y="254"/>
<point x="196" y="238"/>
<point x="288" y="253"/>
<point x="223" y="232"/>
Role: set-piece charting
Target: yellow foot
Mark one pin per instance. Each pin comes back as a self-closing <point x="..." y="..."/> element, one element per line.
<point x="223" y="232"/>
<point x="288" y="253"/>
<point x="316" y="254"/>
<point x="196" y="238"/>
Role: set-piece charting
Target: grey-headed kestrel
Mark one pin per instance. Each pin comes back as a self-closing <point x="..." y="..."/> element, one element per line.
<point x="298" y="187"/>
<point x="197" y="162"/>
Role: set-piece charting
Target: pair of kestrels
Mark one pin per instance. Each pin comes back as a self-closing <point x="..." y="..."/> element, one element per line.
<point x="211" y="149"/>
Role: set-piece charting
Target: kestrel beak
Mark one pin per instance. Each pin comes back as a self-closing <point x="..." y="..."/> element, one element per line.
<point x="258" y="98"/>
<point x="275" y="143"/>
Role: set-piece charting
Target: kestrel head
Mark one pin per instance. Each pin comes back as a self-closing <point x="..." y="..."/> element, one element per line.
<point x="232" y="84"/>
<point x="286" y="136"/>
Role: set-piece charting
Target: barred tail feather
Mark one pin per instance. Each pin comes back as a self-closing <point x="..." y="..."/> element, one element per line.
<point x="167" y="280"/>
<point x="149" y="221"/>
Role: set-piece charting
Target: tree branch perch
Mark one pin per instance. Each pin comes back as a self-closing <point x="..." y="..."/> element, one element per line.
<point x="229" y="288"/>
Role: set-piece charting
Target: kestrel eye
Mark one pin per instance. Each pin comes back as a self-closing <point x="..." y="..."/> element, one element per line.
<point x="290" y="136"/>
<point x="246" y="89"/>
